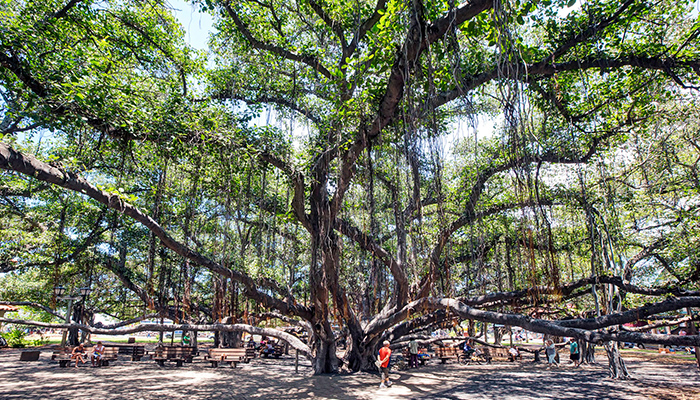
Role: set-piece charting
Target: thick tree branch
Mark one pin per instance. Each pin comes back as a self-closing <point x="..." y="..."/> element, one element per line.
<point x="418" y="40"/>
<point x="633" y="315"/>
<point x="568" y="328"/>
<point x="541" y="69"/>
<point x="289" y="338"/>
<point x="63" y="11"/>
<point x="365" y="27"/>
<point x="34" y="305"/>
<point x="368" y="244"/>
<point x="334" y="26"/>
<point x="310" y="61"/>
<point x="268" y="99"/>
<point x="28" y="165"/>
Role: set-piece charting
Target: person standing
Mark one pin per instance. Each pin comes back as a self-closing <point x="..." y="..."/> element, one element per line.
<point x="384" y="356"/>
<point x="551" y="352"/>
<point x="413" y="354"/>
<point x="575" y="352"/>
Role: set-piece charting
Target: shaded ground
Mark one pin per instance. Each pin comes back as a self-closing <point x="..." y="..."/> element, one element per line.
<point x="276" y="379"/>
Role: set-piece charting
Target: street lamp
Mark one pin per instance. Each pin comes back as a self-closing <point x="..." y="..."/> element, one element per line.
<point x="85" y="291"/>
<point x="59" y="291"/>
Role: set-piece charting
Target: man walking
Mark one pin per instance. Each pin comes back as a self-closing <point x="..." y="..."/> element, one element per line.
<point x="413" y="354"/>
<point x="384" y="356"/>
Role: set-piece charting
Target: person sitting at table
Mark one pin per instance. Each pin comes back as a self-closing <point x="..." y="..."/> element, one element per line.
<point x="77" y="354"/>
<point x="97" y="353"/>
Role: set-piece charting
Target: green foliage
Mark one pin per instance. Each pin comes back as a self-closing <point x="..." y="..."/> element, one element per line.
<point x="594" y="156"/>
<point x="15" y="337"/>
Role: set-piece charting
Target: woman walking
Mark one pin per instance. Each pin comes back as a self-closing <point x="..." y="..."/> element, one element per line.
<point x="551" y="352"/>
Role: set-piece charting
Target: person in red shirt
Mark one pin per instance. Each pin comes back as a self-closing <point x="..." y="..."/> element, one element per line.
<point x="384" y="356"/>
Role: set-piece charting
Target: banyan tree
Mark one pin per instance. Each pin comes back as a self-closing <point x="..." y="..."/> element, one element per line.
<point x="360" y="170"/>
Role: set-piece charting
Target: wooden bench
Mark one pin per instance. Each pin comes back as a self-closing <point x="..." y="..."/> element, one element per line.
<point x="445" y="353"/>
<point x="176" y="354"/>
<point x="135" y="351"/>
<point x="110" y="354"/>
<point x="497" y="354"/>
<point x="65" y="357"/>
<point x="250" y="353"/>
<point x="423" y="355"/>
<point x="61" y="351"/>
<point x="230" y="356"/>
<point x="279" y="351"/>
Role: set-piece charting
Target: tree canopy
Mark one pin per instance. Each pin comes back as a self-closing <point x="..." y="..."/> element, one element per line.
<point x="370" y="201"/>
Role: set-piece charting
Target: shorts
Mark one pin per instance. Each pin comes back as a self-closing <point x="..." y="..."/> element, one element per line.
<point x="574" y="357"/>
<point x="385" y="373"/>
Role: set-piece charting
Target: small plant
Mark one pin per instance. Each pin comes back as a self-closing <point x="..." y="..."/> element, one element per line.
<point x="42" y="341"/>
<point x="15" y="338"/>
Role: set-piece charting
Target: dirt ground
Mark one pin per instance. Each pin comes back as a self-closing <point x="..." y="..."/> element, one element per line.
<point x="656" y="377"/>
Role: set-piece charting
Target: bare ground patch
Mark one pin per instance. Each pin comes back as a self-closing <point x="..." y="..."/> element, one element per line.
<point x="276" y="379"/>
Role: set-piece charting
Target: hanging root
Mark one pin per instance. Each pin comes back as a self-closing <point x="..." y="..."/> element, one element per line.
<point x="616" y="365"/>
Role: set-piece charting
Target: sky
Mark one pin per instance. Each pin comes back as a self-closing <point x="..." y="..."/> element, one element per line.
<point x="197" y="25"/>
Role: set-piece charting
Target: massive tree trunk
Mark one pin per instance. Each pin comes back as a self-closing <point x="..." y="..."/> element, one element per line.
<point x="323" y="342"/>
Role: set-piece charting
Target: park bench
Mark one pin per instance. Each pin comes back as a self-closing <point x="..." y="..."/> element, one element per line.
<point x="135" y="351"/>
<point x="110" y="354"/>
<point x="60" y="351"/>
<point x="250" y="353"/>
<point x="423" y="355"/>
<point x="446" y="353"/>
<point x="495" y="353"/>
<point x="279" y="351"/>
<point x="64" y="356"/>
<point x="176" y="354"/>
<point x="230" y="356"/>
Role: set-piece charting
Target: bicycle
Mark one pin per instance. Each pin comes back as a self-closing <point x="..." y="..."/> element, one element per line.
<point x="473" y="357"/>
